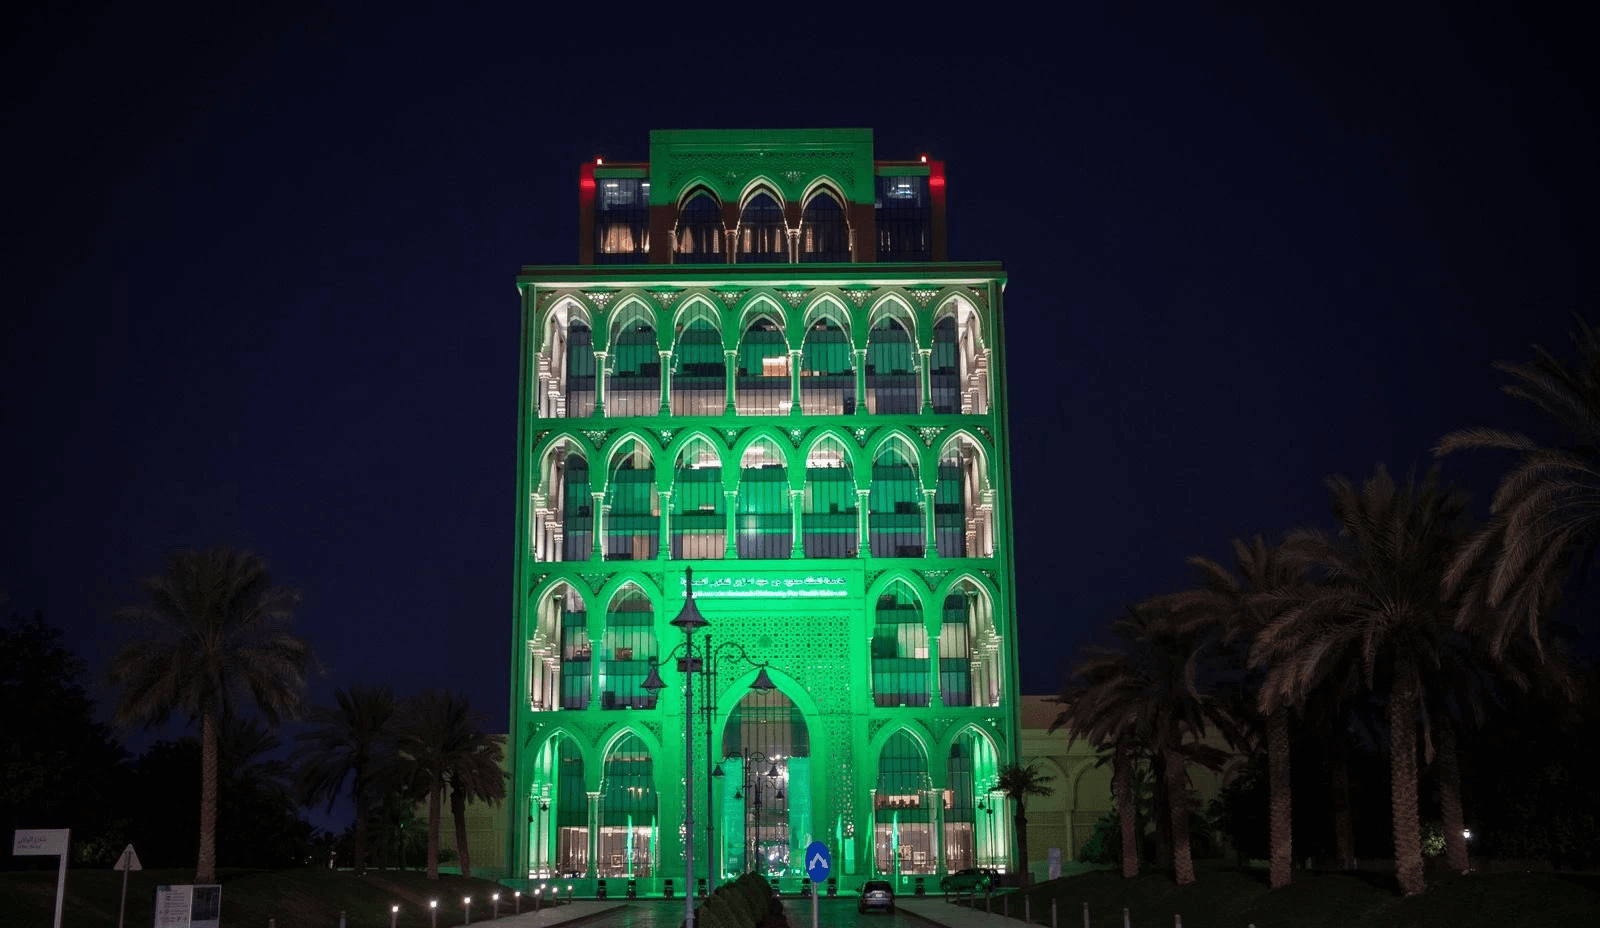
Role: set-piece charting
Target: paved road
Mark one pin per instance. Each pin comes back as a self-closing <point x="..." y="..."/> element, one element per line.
<point x="839" y="912"/>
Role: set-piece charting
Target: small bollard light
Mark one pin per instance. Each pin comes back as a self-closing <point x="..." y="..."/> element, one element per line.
<point x="569" y="892"/>
<point x="536" y="894"/>
<point x="496" y="898"/>
<point x="433" y="913"/>
<point x="466" y="906"/>
<point x="394" y="916"/>
<point x="516" y="899"/>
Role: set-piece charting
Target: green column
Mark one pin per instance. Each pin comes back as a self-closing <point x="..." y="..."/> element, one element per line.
<point x="861" y="381"/>
<point x="797" y="548"/>
<point x="597" y="551"/>
<point x="862" y="548"/>
<point x="930" y="547"/>
<point x="664" y="543"/>
<point x="600" y="384"/>
<point x="731" y="379"/>
<point x="730" y="541"/>
<point x="794" y="382"/>
<point x="666" y="382"/>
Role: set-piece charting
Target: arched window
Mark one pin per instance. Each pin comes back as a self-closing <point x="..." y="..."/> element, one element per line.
<point x="762" y="239"/>
<point x="827" y="370"/>
<point x="577" y="510"/>
<point x="699" y="235"/>
<point x="699" y="372"/>
<point x="824" y="233"/>
<point x="829" y="502"/>
<point x="763" y="518"/>
<point x="633" y="516"/>
<point x="955" y="649"/>
<point x="944" y="368"/>
<point x="962" y="523"/>
<point x="699" y="511"/>
<point x="899" y="650"/>
<point x="902" y="839"/>
<point x="894" y="508"/>
<point x="579" y="386"/>
<point x="763" y="385"/>
<point x="627" y="840"/>
<point x="972" y="837"/>
<point x="633" y="384"/>
<point x="558" y="821"/>
<point x="575" y="650"/>
<point x="891" y="368"/>
<point x="630" y="647"/>
<point x="766" y="782"/>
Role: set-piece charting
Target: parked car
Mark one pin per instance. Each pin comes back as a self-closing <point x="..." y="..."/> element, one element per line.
<point x="970" y="880"/>
<point x="876" y="894"/>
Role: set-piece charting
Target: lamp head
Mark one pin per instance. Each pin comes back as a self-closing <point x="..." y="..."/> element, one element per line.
<point x="763" y="683"/>
<point x="689" y="618"/>
<point x="652" y="682"/>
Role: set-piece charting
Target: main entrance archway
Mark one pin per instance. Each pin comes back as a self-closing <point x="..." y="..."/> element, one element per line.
<point x="763" y="795"/>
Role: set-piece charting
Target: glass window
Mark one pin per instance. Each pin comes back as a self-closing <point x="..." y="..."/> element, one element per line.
<point x="824" y="233"/>
<point x="762" y="239"/>
<point x="699" y="237"/>
<point x="903" y="831"/>
<point x="899" y="651"/>
<point x="904" y="219"/>
<point x="622" y="221"/>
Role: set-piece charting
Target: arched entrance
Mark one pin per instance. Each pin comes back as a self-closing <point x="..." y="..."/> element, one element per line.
<point x="763" y="793"/>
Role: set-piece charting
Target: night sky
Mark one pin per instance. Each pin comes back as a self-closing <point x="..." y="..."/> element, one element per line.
<point x="259" y="276"/>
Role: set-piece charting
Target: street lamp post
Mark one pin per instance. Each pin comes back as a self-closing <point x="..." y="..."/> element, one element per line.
<point x="689" y="619"/>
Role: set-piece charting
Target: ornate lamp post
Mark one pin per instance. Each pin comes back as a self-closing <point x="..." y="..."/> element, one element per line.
<point x="689" y="619"/>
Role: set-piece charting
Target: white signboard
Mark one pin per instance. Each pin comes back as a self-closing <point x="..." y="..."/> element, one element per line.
<point x="188" y="906"/>
<point x="40" y="842"/>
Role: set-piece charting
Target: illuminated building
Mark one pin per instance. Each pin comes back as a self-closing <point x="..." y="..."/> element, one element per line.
<point x="763" y="368"/>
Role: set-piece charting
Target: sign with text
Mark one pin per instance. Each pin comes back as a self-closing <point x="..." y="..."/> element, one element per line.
<point x="188" y="906"/>
<point x="770" y="585"/>
<point x="39" y="842"/>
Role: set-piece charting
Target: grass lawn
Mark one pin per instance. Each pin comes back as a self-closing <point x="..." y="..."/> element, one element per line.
<point x="296" y="898"/>
<point x="1226" y="897"/>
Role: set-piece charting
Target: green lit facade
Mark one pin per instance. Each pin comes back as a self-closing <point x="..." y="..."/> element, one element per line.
<point x="764" y="369"/>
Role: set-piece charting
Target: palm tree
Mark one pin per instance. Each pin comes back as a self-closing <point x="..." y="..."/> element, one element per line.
<point x="1547" y="507"/>
<point x="1104" y="711"/>
<point x="1147" y="696"/>
<point x="347" y="742"/>
<point x="1018" y="782"/>
<point x="215" y="634"/>
<point x="1381" y="606"/>
<point x="1231" y="603"/>
<point x="441" y="740"/>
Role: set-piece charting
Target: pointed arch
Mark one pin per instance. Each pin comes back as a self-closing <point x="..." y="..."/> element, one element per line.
<point x="891" y="376"/>
<point x="628" y="648"/>
<point x="763" y="387"/>
<point x="626" y="845"/>
<point x="762" y="233"/>
<point x="902" y="806"/>
<point x="895" y="521"/>
<point x="899" y="647"/>
<point x="631" y="520"/>
<point x="830" y="521"/>
<point x="559" y="651"/>
<point x="963" y="502"/>
<point x="699" y="368"/>
<point x="827" y="360"/>
<point x="562" y="520"/>
<point x="633" y="363"/>
<point x="970" y="363"/>
<point x="970" y="667"/>
<point x="559" y="811"/>
<point x="699" y="506"/>
<point x="699" y="237"/>
<point x="972" y="837"/>
<point x="566" y="361"/>
<point x="824" y="224"/>
<point x="764" y="520"/>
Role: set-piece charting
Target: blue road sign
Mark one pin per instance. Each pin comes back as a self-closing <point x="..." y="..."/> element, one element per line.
<point x="818" y="861"/>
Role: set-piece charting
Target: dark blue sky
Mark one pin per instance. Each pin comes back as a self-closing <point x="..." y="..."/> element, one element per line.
<point x="259" y="275"/>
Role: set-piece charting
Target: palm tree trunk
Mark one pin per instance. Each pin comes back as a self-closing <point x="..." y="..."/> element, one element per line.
<point x="433" y="829"/>
<point x="458" y="812"/>
<point x="1178" y="808"/>
<point x="1403" y="777"/>
<point x="205" y="870"/>
<point x="1455" y="841"/>
<point x="1159" y="799"/>
<point x="1280" y="830"/>
<point x="1344" y="833"/>
<point x="1122" y="785"/>
<point x="363" y="813"/>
